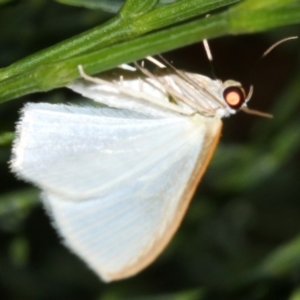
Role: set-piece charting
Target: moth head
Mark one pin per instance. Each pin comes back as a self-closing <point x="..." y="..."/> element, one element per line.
<point x="236" y="98"/>
<point x="234" y="94"/>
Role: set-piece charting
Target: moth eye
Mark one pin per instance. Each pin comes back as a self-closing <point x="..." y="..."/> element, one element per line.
<point x="234" y="96"/>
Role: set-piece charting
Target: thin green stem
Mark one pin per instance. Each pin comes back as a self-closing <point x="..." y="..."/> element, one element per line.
<point x="58" y="74"/>
<point x="116" y="30"/>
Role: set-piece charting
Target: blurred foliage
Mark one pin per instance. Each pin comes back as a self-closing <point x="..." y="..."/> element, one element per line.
<point x="6" y="138"/>
<point x="240" y="238"/>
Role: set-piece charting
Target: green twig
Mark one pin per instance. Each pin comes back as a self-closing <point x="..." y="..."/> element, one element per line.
<point x="125" y="26"/>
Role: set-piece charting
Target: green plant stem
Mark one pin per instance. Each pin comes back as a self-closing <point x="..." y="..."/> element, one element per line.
<point x="116" y="30"/>
<point x="233" y="21"/>
<point x="59" y="74"/>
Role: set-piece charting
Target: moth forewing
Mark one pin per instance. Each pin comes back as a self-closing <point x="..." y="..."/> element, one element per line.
<point x="213" y="128"/>
<point x="120" y="234"/>
<point x="212" y="136"/>
<point x="140" y="94"/>
<point x="117" y="181"/>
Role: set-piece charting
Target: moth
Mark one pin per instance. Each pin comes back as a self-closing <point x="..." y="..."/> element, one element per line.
<point x="117" y="179"/>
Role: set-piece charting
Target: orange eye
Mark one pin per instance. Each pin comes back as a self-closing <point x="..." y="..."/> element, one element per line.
<point x="234" y="96"/>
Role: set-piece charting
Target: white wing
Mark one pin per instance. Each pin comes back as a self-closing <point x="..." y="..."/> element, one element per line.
<point x="143" y="95"/>
<point x="116" y="183"/>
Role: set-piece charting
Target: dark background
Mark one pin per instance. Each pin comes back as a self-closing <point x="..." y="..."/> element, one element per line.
<point x="239" y="239"/>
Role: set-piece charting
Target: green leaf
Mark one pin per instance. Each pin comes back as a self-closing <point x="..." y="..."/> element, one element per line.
<point x="266" y="4"/>
<point x="112" y="6"/>
<point x="135" y="8"/>
<point x="6" y="138"/>
<point x="255" y="20"/>
<point x="282" y="260"/>
<point x="19" y="251"/>
<point x="52" y="75"/>
<point x="295" y="295"/>
<point x="115" y="31"/>
<point x="15" y="207"/>
<point x="4" y="1"/>
<point x="58" y="74"/>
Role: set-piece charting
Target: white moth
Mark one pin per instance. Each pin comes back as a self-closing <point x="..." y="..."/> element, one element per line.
<point x="117" y="180"/>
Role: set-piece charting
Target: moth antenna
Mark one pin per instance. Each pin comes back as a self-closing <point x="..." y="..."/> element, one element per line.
<point x="250" y="93"/>
<point x="277" y="44"/>
<point x="207" y="50"/>
<point x="256" y="112"/>
<point x="271" y="48"/>
<point x="210" y="57"/>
